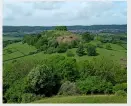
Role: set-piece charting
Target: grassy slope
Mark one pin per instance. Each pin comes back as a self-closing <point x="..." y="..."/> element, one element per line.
<point x="116" y="53"/>
<point x="84" y="99"/>
<point x="19" y="50"/>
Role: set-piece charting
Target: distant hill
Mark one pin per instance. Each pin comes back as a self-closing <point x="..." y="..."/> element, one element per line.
<point x="76" y="29"/>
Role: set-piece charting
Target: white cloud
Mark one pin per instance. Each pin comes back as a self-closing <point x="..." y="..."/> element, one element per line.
<point x="65" y="13"/>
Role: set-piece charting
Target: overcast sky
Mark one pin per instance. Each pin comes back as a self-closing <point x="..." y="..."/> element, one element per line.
<point x="64" y="13"/>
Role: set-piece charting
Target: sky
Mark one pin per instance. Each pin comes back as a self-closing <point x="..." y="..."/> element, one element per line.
<point x="52" y="13"/>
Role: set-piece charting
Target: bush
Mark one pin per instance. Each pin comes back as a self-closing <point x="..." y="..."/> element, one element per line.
<point x="120" y="93"/>
<point x="13" y="94"/>
<point x="109" y="70"/>
<point x="108" y="47"/>
<point x="80" y="50"/>
<point x="99" y="45"/>
<point x="53" y="43"/>
<point x="94" y="84"/>
<point x="68" y="88"/>
<point x="62" y="48"/>
<point x="122" y="86"/>
<point x="70" y="53"/>
<point x="41" y="80"/>
<point x="51" y="50"/>
<point x="42" y="41"/>
<point x="69" y="69"/>
<point x="29" y="97"/>
<point x="91" y="50"/>
<point x="43" y="48"/>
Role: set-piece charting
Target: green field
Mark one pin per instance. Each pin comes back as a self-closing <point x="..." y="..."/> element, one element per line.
<point x="115" y="54"/>
<point x="5" y="38"/>
<point x="85" y="99"/>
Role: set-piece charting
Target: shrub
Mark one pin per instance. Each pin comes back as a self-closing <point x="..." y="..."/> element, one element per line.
<point x="74" y="43"/>
<point x="42" y="41"/>
<point x="69" y="69"/>
<point x="41" y="80"/>
<point x="29" y="97"/>
<point x="91" y="50"/>
<point x="120" y="93"/>
<point x="108" y="69"/>
<point x="13" y="94"/>
<point x="53" y="43"/>
<point x="68" y="88"/>
<point x="80" y="50"/>
<point x="62" y="48"/>
<point x="70" y="53"/>
<point x="108" y="47"/>
<point x="122" y="86"/>
<point x="99" y="45"/>
<point x="94" y="84"/>
<point x="51" y="50"/>
<point x="43" y="48"/>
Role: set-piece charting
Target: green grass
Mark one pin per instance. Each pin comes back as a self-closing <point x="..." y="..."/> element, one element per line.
<point x="5" y="38"/>
<point x="18" y="49"/>
<point x="115" y="54"/>
<point x="85" y="99"/>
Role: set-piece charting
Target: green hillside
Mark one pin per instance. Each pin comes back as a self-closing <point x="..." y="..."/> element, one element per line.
<point x="55" y="66"/>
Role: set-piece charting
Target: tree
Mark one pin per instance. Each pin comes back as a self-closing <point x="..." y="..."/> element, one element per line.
<point x="87" y="36"/>
<point x="69" y="69"/>
<point x="42" y="41"/>
<point x="41" y="80"/>
<point x="91" y="50"/>
<point x="80" y="50"/>
<point x="61" y="28"/>
<point x="109" y="70"/>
